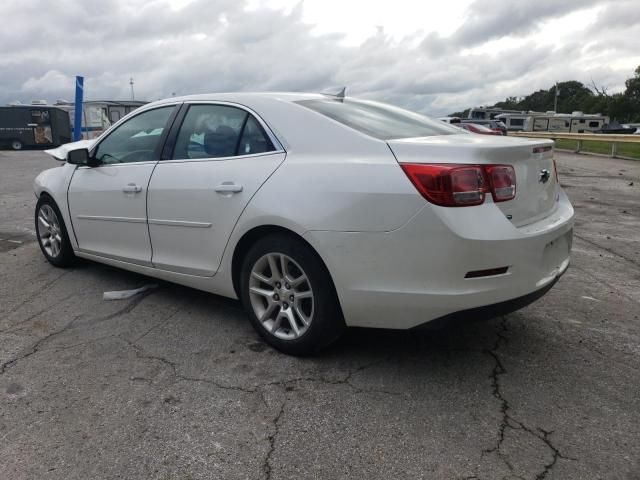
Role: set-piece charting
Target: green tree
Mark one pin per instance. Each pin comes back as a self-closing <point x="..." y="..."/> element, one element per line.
<point x="632" y="95"/>
<point x="575" y="96"/>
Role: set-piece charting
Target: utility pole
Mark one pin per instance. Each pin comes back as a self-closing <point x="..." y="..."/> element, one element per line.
<point x="131" y="83"/>
<point x="555" y="99"/>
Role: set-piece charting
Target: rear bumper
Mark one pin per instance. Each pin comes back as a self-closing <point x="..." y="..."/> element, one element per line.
<point x="487" y="312"/>
<point x="416" y="274"/>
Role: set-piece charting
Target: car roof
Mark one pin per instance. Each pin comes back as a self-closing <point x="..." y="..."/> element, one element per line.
<point x="246" y="98"/>
<point x="281" y="113"/>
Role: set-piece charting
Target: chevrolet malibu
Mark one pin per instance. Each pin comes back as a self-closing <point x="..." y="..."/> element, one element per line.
<point x="318" y="212"/>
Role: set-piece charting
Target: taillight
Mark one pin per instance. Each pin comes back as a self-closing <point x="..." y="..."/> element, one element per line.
<point x="459" y="185"/>
<point x="503" y="182"/>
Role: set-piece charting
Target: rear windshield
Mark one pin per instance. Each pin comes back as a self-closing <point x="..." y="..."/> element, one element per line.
<point x="378" y="119"/>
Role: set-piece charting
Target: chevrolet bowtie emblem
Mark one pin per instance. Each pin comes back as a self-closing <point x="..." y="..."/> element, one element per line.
<point x="544" y="175"/>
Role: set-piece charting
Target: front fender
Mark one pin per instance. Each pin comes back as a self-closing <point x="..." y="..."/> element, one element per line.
<point x="55" y="183"/>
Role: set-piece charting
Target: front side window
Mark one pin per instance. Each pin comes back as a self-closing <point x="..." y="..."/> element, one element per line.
<point x="379" y="120"/>
<point x="217" y="131"/>
<point x="136" y="140"/>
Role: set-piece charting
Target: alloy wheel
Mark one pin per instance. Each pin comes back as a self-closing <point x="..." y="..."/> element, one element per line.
<point x="281" y="296"/>
<point x="49" y="231"/>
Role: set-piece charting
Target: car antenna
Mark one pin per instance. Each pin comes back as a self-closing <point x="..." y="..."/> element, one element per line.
<point x="339" y="95"/>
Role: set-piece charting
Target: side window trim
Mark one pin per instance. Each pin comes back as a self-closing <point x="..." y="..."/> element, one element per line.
<point x="163" y="137"/>
<point x="244" y="125"/>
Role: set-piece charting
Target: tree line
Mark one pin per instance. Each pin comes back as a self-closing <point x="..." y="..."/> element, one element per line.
<point x="576" y="96"/>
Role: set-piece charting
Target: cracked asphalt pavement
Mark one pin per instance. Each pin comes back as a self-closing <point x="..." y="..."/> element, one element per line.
<point x="174" y="383"/>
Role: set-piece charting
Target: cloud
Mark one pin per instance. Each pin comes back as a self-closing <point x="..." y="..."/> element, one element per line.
<point x="490" y="19"/>
<point x="220" y="45"/>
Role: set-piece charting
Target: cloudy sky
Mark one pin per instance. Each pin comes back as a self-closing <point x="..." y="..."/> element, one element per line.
<point x="432" y="56"/>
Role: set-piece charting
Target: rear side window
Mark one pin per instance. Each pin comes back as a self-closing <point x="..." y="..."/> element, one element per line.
<point x="254" y="139"/>
<point x="217" y="131"/>
<point x="379" y="120"/>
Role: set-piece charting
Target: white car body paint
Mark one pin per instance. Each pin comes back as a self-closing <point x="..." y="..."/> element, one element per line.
<point x="397" y="261"/>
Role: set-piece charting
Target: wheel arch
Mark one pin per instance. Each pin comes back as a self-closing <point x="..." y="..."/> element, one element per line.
<point x="250" y="237"/>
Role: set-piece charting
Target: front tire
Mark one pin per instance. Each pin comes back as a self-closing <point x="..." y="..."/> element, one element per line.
<point x="52" y="234"/>
<point x="289" y="296"/>
<point x="16" y="145"/>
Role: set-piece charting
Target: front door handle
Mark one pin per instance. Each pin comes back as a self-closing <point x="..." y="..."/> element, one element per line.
<point x="228" y="187"/>
<point x="131" y="188"/>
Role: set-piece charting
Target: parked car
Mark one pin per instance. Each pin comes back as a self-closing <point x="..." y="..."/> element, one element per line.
<point x="496" y="125"/>
<point x="615" y="128"/>
<point x="481" y="129"/>
<point x="317" y="212"/>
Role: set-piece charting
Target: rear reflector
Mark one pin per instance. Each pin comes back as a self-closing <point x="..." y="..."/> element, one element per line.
<point x="486" y="273"/>
<point x="460" y="185"/>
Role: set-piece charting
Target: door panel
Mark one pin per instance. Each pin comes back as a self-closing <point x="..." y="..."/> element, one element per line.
<point x="194" y="205"/>
<point x="107" y="203"/>
<point x="221" y="157"/>
<point x="107" y="220"/>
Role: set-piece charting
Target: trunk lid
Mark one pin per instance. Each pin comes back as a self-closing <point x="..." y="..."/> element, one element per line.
<point x="536" y="185"/>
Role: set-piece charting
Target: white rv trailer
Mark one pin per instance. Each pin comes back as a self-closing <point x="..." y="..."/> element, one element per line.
<point x="516" y="121"/>
<point x="576" y="122"/>
<point x="489" y="113"/>
<point x="99" y="115"/>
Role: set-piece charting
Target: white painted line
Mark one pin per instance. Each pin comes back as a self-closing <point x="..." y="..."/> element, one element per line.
<point x="14" y="241"/>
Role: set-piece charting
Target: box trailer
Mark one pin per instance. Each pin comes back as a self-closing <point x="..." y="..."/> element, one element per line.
<point x="33" y="126"/>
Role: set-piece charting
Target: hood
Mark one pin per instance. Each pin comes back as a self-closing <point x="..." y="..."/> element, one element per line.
<point x="60" y="153"/>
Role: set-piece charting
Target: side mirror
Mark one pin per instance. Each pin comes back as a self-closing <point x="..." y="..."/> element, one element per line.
<point x="78" y="157"/>
<point x="81" y="157"/>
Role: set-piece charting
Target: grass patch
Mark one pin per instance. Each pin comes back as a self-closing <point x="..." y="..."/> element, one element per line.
<point x="631" y="150"/>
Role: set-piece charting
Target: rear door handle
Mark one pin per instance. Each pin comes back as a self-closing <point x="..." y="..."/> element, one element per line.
<point x="131" y="188"/>
<point x="228" y="187"/>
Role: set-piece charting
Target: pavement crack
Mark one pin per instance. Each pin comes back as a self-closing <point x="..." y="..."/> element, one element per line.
<point x="41" y="290"/>
<point x="16" y="326"/>
<point x="508" y="421"/>
<point x="266" y="466"/>
<point x="346" y="380"/>
<point x="36" y="347"/>
<point x="173" y="368"/>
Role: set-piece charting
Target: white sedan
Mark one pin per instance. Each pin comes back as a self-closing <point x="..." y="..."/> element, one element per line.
<point x="318" y="212"/>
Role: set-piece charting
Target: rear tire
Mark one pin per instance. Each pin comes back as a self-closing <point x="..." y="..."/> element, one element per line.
<point x="16" y="144"/>
<point x="289" y="296"/>
<point x="52" y="234"/>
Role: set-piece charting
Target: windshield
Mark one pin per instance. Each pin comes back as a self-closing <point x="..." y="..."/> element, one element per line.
<point x="379" y="120"/>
